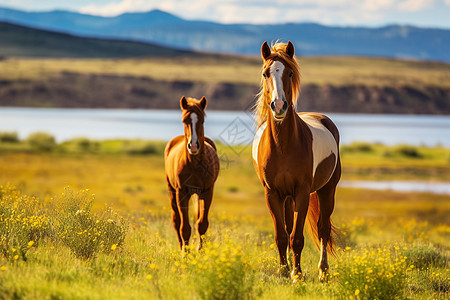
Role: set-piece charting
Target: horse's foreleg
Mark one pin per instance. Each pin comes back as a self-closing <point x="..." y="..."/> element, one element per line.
<point x="297" y="240"/>
<point x="175" y="213"/>
<point x="204" y="203"/>
<point x="276" y="207"/>
<point x="183" y="209"/>
<point x="326" y="202"/>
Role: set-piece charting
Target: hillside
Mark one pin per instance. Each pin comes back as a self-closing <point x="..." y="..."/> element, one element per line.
<point x="345" y="84"/>
<point x="24" y="41"/>
<point x="310" y="39"/>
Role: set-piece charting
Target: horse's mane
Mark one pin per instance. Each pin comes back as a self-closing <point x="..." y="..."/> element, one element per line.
<point x="278" y="52"/>
<point x="194" y="106"/>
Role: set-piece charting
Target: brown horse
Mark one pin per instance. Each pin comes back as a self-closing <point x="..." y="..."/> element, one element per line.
<point x="192" y="167"/>
<point x="297" y="159"/>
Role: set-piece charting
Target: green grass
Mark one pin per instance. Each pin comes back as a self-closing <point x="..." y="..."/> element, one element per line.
<point x="337" y="71"/>
<point x="398" y="242"/>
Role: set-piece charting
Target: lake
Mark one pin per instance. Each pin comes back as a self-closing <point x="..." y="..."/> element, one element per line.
<point x="230" y="127"/>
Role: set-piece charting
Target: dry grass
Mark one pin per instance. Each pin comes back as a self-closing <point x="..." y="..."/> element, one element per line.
<point x="336" y="71"/>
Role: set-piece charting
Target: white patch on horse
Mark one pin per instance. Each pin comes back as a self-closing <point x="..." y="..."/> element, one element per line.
<point x="276" y="70"/>
<point x="194" y="119"/>
<point x="256" y="141"/>
<point x="324" y="143"/>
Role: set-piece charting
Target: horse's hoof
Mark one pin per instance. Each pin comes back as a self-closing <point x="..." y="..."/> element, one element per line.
<point x="297" y="276"/>
<point x="324" y="276"/>
<point x="185" y="250"/>
<point x="284" y="271"/>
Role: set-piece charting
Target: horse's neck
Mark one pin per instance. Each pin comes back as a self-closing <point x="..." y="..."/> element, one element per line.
<point x="283" y="132"/>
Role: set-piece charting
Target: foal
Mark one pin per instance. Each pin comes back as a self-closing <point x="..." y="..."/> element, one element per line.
<point x="192" y="167"/>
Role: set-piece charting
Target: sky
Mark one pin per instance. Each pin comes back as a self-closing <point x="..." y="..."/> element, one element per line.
<point x="423" y="13"/>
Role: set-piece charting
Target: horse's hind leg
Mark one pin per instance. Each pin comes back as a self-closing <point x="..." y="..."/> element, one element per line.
<point x="176" y="220"/>
<point x="326" y="201"/>
<point x="183" y="209"/>
<point x="204" y="203"/>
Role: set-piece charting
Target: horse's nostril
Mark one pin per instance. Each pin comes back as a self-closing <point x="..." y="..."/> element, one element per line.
<point x="189" y="145"/>
<point x="285" y="105"/>
<point x="272" y="105"/>
<point x="198" y="145"/>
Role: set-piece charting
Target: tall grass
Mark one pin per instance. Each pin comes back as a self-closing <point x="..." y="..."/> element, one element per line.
<point x="238" y="261"/>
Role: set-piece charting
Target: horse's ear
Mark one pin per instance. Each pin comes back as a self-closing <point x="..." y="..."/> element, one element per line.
<point x="183" y="103"/>
<point x="203" y="102"/>
<point x="265" y="50"/>
<point x="290" y="49"/>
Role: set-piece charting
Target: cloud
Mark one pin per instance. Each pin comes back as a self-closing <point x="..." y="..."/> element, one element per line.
<point x="347" y="12"/>
<point x="415" y="5"/>
<point x="117" y="8"/>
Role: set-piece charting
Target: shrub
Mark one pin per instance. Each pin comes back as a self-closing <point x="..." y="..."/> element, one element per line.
<point x="9" y="137"/>
<point x="22" y="222"/>
<point x="41" y="141"/>
<point x="377" y="273"/>
<point x="423" y="257"/>
<point x="357" y="147"/>
<point x="140" y="148"/>
<point x="84" y="232"/>
<point x="404" y="151"/>
<point x="349" y="232"/>
<point x="84" y="145"/>
<point x="220" y="271"/>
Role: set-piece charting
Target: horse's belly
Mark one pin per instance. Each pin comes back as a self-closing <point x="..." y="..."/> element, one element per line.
<point x="325" y="151"/>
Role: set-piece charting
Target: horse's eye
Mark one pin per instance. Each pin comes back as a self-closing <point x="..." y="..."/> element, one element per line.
<point x="265" y="75"/>
<point x="292" y="74"/>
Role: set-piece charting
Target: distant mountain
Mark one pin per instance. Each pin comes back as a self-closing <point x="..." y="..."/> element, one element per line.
<point x="16" y="40"/>
<point x="310" y="39"/>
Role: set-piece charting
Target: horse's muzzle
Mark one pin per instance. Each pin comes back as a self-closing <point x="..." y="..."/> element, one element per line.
<point x="279" y="108"/>
<point x="193" y="148"/>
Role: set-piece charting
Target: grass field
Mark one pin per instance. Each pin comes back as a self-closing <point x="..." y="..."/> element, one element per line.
<point x="55" y="245"/>
<point x="335" y="71"/>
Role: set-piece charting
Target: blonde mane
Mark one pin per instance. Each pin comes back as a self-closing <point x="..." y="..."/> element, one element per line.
<point x="278" y="52"/>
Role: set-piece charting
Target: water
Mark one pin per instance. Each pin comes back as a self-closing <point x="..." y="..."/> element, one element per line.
<point x="229" y="127"/>
<point x="400" y="186"/>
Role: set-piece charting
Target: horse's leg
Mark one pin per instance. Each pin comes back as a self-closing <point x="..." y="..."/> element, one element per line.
<point x="326" y="203"/>
<point x="183" y="209"/>
<point x="289" y="214"/>
<point x="204" y="203"/>
<point x="297" y="240"/>
<point x="175" y="213"/>
<point x="276" y="207"/>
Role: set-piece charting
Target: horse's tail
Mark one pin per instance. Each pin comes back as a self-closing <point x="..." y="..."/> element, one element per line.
<point x="312" y="219"/>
